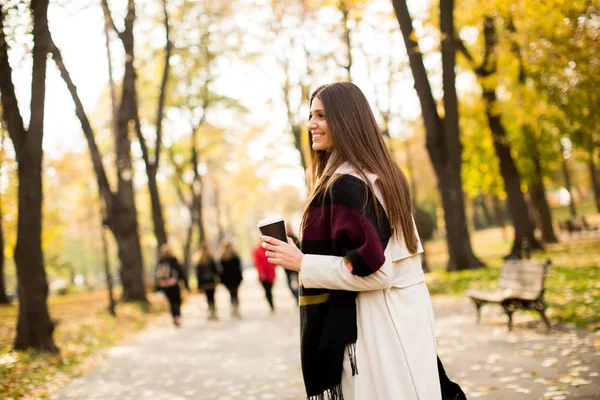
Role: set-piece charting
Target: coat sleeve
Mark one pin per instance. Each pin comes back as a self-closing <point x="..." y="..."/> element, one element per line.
<point x="330" y="272"/>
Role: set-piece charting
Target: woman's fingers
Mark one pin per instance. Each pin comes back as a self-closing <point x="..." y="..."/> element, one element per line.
<point x="271" y="243"/>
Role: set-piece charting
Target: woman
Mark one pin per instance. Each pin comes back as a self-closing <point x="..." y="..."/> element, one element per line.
<point x="207" y="274"/>
<point x="231" y="275"/>
<point x="367" y="327"/>
<point x="167" y="276"/>
<point x="266" y="273"/>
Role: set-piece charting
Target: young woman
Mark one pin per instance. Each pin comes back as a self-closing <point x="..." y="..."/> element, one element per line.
<point x="167" y="276"/>
<point x="231" y="275"/>
<point x="207" y="273"/>
<point x="266" y="273"/>
<point x="367" y="326"/>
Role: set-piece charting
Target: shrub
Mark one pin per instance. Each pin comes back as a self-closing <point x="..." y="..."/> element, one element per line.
<point x="426" y="220"/>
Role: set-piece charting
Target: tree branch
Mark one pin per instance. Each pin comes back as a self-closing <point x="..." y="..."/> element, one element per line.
<point x="108" y="19"/>
<point x="103" y="184"/>
<point x="10" y="105"/>
<point x="179" y="178"/>
<point x="431" y="117"/>
<point x="163" y="87"/>
<point x="516" y="49"/>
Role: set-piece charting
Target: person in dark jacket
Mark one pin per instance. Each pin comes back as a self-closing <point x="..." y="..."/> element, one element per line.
<point x="167" y="276"/>
<point x="292" y="276"/>
<point x="207" y="274"/>
<point x="231" y="274"/>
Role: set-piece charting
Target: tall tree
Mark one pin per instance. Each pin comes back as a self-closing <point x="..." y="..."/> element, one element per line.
<point x="124" y="220"/>
<point x="289" y="45"/>
<point x="442" y="133"/>
<point x="204" y="27"/>
<point x="151" y="162"/>
<point x="34" y="327"/>
<point x="486" y="74"/>
<point x="121" y="213"/>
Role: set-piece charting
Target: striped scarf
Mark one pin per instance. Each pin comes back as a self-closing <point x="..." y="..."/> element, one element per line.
<point x="347" y="224"/>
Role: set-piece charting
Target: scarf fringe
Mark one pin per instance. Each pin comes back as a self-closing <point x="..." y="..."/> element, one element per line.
<point x="352" y="356"/>
<point x="333" y="393"/>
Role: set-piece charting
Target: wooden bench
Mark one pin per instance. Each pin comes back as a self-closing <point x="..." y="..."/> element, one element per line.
<point x="578" y="224"/>
<point x="521" y="286"/>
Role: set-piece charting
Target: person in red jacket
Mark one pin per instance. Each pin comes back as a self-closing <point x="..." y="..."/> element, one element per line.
<point x="266" y="273"/>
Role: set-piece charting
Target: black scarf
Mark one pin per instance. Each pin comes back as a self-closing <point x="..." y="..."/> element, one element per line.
<point x="349" y="222"/>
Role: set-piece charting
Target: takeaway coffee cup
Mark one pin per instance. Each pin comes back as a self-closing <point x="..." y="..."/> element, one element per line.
<point x="273" y="226"/>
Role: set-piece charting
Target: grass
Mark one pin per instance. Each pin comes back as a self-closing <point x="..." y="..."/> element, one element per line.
<point x="572" y="284"/>
<point x="583" y="207"/>
<point x="83" y="327"/>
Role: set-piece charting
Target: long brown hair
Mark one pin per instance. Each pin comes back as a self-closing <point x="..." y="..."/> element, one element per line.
<point x="227" y="251"/>
<point x="203" y="255"/>
<point x="358" y="142"/>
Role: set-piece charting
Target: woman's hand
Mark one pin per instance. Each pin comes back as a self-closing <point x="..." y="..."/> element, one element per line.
<point x="281" y="253"/>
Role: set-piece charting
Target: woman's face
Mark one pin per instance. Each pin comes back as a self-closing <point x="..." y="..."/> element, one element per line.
<point x="318" y="128"/>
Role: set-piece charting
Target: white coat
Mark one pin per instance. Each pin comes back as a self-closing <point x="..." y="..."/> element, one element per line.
<point x="396" y="348"/>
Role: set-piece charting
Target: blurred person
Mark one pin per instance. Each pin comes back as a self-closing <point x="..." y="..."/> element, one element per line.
<point x="364" y="305"/>
<point x="231" y="274"/>
<point x="292" y="276"/>
<point x="167" y="276"/>
<point x="266" y="273"/>
<point x="207" y="274"/>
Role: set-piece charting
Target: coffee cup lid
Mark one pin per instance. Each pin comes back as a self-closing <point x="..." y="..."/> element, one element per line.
<point x="269" y="220"/>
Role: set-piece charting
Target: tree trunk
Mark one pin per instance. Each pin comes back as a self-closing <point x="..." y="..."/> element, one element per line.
<point x="594" y="178"/>
<point x="567" y="177"/>
<point x="442" y="143"/>
<point x="107" y="271"/>
<point x="187" y="249"/>
<point x="489" y="220"/>
<point x="34" y="326"/>
<point x="152" y="166"/>
<point x="218" y="217"/>
<point x="123" y="218"/>
<point x="347" y="40"/>
<point x="157" y="215"/>
<point x="456" y="224"/>
<point x="132" y="273"/>
<point x="537" y="192"/>
<point x="524" y="227"/>
<point x="297" y="132"/>
<point x="498" y="213"/>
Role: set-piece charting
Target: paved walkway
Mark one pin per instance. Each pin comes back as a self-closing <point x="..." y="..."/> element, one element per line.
<point x="258" y="357"/>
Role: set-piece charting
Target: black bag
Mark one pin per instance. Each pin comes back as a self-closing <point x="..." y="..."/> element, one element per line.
<point x="165" y="275"/>
<point x="450" y="390"/>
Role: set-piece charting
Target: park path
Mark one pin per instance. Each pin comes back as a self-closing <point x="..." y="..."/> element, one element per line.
<point x="258" y="357"/>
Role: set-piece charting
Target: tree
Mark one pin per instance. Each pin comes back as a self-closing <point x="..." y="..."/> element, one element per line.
<point x="152" y="162"/>
<point x="442" y="134"/>
<point x="204" y="28"/>
<point x="34" y="326"/>
<point x="486" y="74"/>
<point x="295" y="92"/>
<point x="121" y="213"/>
